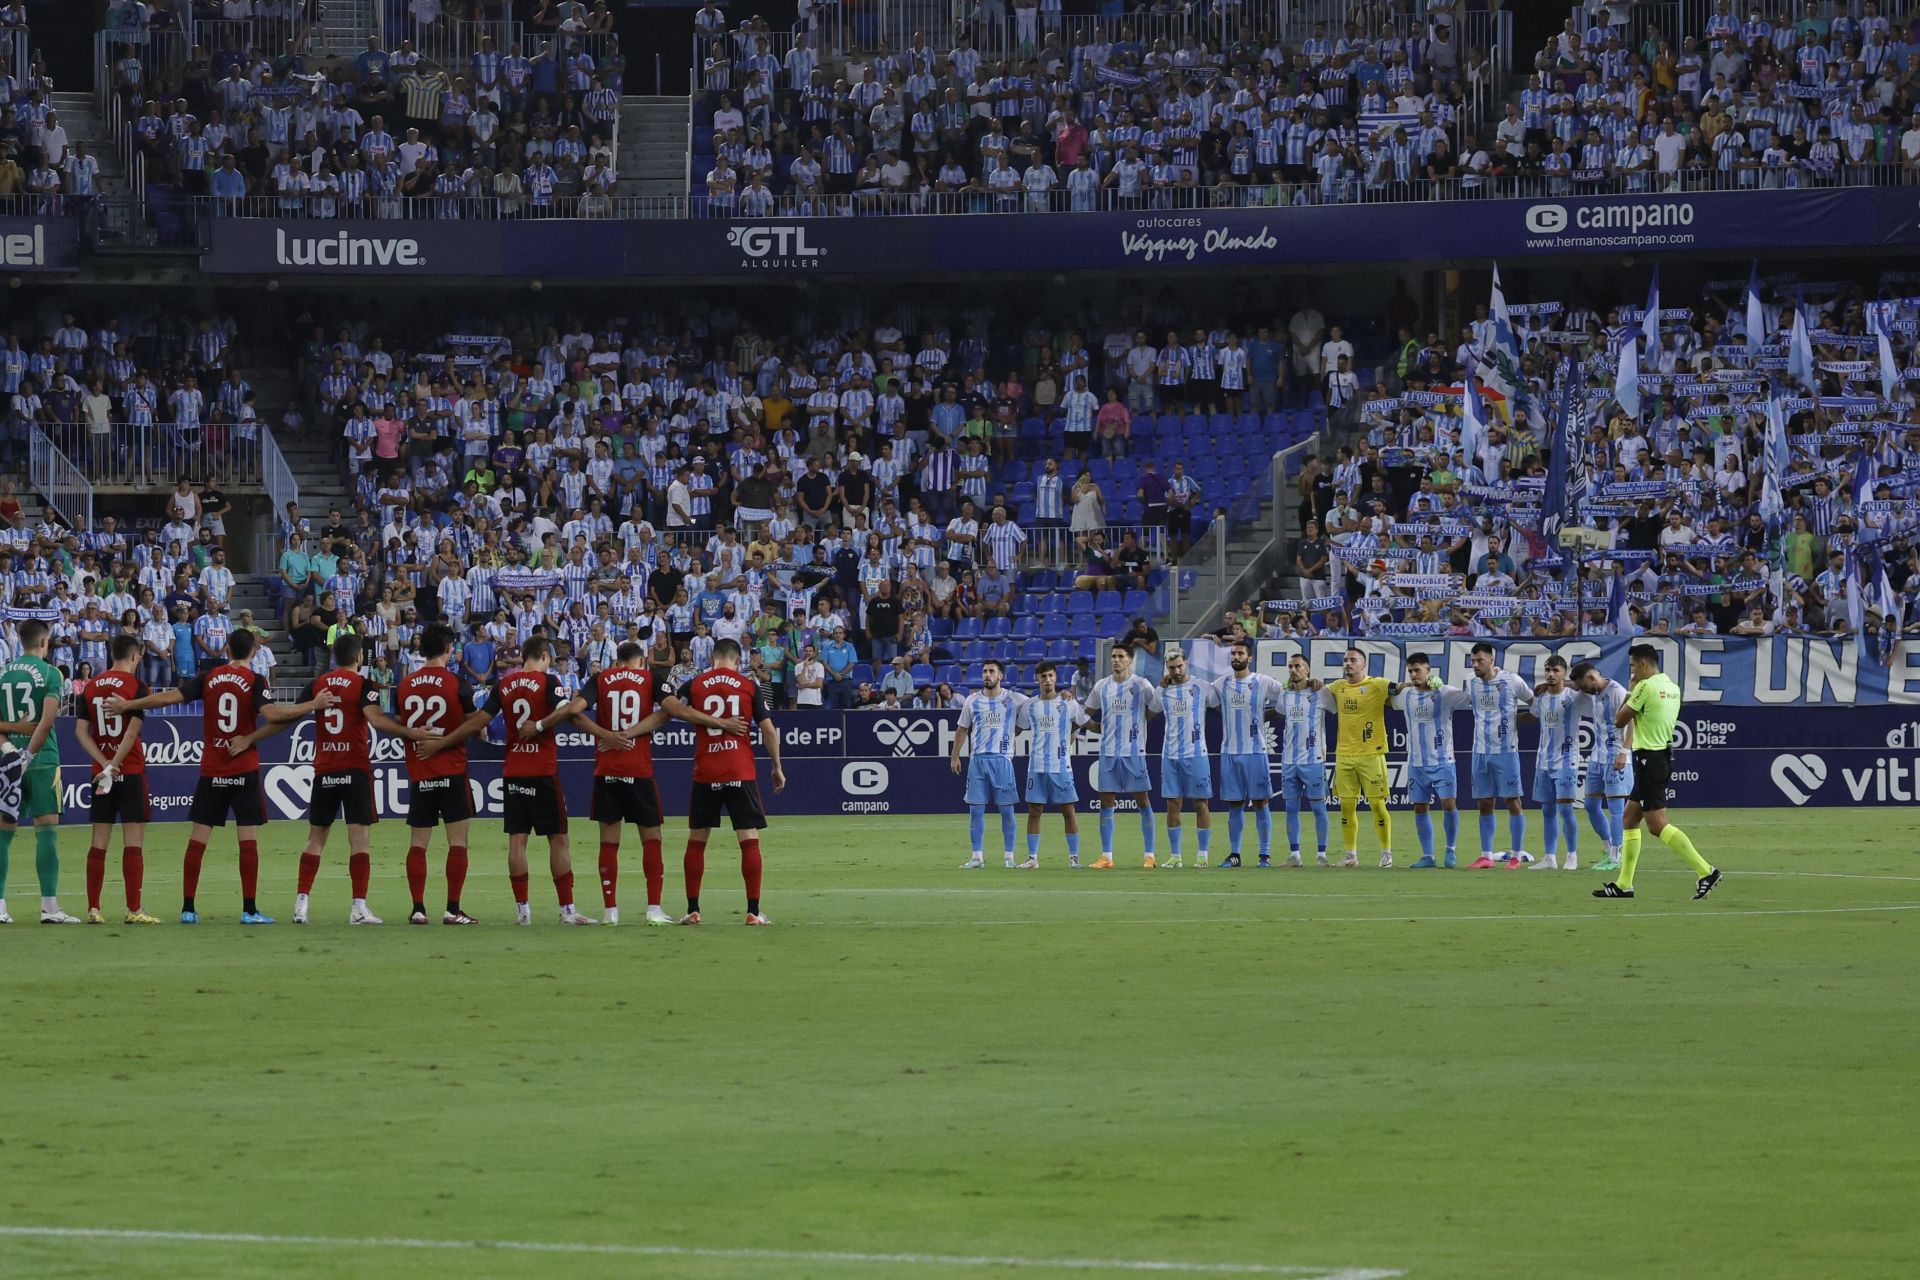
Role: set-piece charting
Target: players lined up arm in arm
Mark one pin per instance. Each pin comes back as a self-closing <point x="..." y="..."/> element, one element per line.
<point x="678" y="708"/>
<point x="574" y="710"/>
<point x="41" y="729"/>
<point x="273" y="716"/>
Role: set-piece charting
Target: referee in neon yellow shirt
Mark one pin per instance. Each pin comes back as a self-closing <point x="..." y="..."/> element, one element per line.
<point x="1652" y="707"/>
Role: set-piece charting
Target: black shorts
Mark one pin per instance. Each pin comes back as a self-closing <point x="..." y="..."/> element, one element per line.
<point x="126" y="801"/>
<point x="535" y="806"/>
<point x="740" y="801"/>
<point x="215" y="798"/>
<point x="438" y="800"/>
<point x="634" y="800"/>
<point x="1652" y="779"/>
<point x="348" y="795"/>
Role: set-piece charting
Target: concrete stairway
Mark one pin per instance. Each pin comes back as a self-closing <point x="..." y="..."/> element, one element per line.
<point x="343" y="28"/>
<point x="652" y="157"/>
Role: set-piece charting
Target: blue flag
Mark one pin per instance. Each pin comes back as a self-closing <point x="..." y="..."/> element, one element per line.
<point x="1756" y="314"/>
<point x="1566" y="477"/>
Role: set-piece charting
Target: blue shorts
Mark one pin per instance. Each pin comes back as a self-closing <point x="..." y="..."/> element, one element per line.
<point x="1553" y="785"/>
<point x="1431" y="783"/>
<point x="1186" y="778"/>
<point x="1496" y="777"/>
<point x="1051" y="788"/>
<point x="1123" y="777"/>
<point x="1245" y="777"/>
<point x="990" y="780"/>
<point x="1602" y="781"/>
<point x="1303" y="782"/>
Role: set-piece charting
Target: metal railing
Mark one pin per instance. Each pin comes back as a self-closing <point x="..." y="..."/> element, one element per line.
<point x="278" y="480"/>
<point x="16" y="52"/>
<point x="1218" y="541"/>
<point x="147" y="454"/>
<point x="63" y="485"/>
<point x="269" y="34"/>
<point x="162" y="54"/>
<point x="452" y="44"/>
<point x="1063" y="548"/>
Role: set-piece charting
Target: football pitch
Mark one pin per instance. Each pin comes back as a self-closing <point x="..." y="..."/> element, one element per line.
<point x="927" y="1073"/>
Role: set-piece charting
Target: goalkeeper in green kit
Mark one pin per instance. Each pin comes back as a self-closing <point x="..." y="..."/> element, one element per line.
<point x="30" y="689"/>
<point x="1652" y="707"/>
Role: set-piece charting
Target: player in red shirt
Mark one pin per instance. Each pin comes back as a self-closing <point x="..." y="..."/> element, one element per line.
<point x="623" y="787"/>
<point x="237" y="715"/>
<point x="118" y="764"/>
<point x="343" y="776"/>
<point x="432" y="697"/>
<point x="720" y="701"/>
<point x="532" y="702"/>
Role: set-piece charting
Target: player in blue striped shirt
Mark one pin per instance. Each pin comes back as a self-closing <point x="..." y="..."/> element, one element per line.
<point x="1186" y="772"/>
<point x="1610" y="762"/>
<point x="1428" y="706"/>
<point x="987" y="716"/>
<point x="1303" y="705"/>
<point x="1246" y="774"/>
<point x="1496" y="699"/>
<point x="1556" y="705"/>
<point x="1052" y="717"/>
<point x="1120" y="706"/>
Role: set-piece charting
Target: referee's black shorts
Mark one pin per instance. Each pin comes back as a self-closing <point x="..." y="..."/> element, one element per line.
<point x="1652" y="779"/>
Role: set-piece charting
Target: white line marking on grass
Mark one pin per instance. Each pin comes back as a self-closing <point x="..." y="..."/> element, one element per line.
<point x="689" y="1251"/>
<point x="1706" y="913"/>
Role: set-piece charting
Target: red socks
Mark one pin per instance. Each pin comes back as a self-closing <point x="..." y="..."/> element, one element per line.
<point x="695" y="866"/>
<point x="519" y="888"/>
<point x="96" y="876"/>
<point x="249" y="869"/>
<point x="456" y="870"/>
<point x="609" y="871"/>
<point x="133" y="869"/>
<point x="563" y="888"/>
<point x="190" y="869"/>
<point x="750" y="868"/>
<point x="417" y="874"/>
<point x="309" y="868"/>
<point x="359" y="871"/>
<point x="655" y="867"/>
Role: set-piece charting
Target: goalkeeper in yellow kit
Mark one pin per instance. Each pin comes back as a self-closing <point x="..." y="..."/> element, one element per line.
<point x="1360" y="753"/>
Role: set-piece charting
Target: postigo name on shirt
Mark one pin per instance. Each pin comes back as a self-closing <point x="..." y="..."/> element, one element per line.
<point x="774" y="247"/>
<point x="345" y="250"/>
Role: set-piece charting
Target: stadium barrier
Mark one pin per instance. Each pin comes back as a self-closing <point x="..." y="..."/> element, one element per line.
<point x="33" y="241"/>
<point x="1170" y="239"/>
<point x="867" y="762"/>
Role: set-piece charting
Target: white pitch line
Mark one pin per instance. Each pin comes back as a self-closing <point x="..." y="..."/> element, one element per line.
<point x="689" y="1251"/>
<point x="1705" y="913"/>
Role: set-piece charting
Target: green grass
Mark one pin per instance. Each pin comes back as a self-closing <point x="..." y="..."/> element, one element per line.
<point x="1447" y="1075"/>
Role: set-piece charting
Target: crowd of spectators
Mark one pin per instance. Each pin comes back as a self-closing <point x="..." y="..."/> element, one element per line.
<point x="866" y="486"/>
<point x="530" y="129"/>
<point x="1097" y="119"/>
<point x="1766" y="96"/>
<point x="1404" y="533"/>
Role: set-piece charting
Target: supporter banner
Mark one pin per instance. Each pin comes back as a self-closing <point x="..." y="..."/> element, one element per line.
<point x="859" y="763"/>
<point x="1712" y="671"/>
<point x="1232" y="238"/>
<point x="39" y="244"/>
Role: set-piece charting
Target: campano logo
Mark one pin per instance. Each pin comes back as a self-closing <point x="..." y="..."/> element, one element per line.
<point x="1798" y="777"/>
<point x="864" y="778"/>
<point x="904" y="736"/>
<point x="1547" y="219"/>
<point x="769" y="244"/>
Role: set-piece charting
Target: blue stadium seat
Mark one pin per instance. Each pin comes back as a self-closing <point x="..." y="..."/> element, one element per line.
<point x="1015" y="472"/>
<point x="1043" y="580"/>
<point x="1220" y="423"/>
<point x="1025" y="628"/>
<point x="1001" y="651"/>
<point x="1106" y="601"/>
<point x="951" y="673"/>
<point x="939" y="628"/>
<point x="1032" y="649"/>
<point x="1112" y="624"/>
<point x="921" y="672"/>
<point x="997" y="629"/>
<point x="1060" y="650"/>
<point x="1080" y="604"/>
<point x="967" y="629"/>
<point x="1022" y="492"/>
<point x="1135" y="601"/>
<point x="1052" y="606"/>
<point x="1080" y="626"/>
<point x="972" y="675"/>
<point x="1089" y="649"/>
